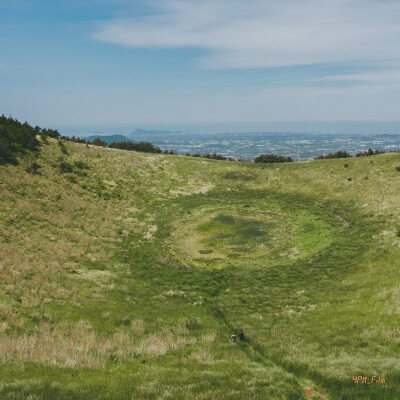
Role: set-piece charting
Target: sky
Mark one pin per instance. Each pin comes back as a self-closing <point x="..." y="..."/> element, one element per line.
<point x="105" y="63"/>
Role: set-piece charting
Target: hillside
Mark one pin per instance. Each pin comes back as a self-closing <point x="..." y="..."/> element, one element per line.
<point x="123" y="276"/>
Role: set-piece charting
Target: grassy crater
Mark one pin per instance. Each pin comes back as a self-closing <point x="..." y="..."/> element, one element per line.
<point x="260" y="235"/>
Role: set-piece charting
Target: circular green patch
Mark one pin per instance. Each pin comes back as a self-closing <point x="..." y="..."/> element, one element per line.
<point x="260" y="235"/>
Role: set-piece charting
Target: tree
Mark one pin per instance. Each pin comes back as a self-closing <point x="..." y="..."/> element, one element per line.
<point x="272" y="158"/>
<point x="99" y="142"/>
<point x="338" y="154"/>
<point x="144" y="147"/>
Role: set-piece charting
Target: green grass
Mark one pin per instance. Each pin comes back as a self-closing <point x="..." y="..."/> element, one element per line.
<point x="123" y="276"/>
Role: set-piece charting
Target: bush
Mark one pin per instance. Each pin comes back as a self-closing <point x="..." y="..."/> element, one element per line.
<point x="398" y="168"/>
<point x="73" y="139"/>
<point x="99" y="142"/>
<point x="211" y="156"/>
<point x="33" y="169"/>
<point x="338" y="154"/>
<point x="72" y="178"/>
<point x="66" y="167"/>
<point x="214" y="156"/>
<point x="143" y="147"/>
<point x="81" y="165"/>
<point x="398" y="232"/>
<point x="369" y="152"/>
<point x="272" y="158"/>
<point x="53" y="133"/>
<point x="44" y="139"/>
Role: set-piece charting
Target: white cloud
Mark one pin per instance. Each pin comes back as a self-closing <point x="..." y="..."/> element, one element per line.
<point x="387" y="77"/>
<point x="266" y="33"/>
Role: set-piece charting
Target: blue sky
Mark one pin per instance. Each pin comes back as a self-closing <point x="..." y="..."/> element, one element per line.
<point x="94" y="63"/>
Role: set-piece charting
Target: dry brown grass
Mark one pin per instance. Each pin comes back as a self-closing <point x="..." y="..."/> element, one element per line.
<point x="137" y="326"/>
<point x="79" y="346"/>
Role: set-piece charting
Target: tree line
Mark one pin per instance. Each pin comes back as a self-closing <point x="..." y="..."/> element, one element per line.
<point x="346" y="154"/>
<point x="16" y="139"/>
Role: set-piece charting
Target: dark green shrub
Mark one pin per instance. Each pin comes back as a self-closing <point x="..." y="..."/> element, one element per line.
<point x="53" y="133"/>
<point x="398" y="168"/>
<point x="143" y="147"/>
<point x="272" y="158"/>
<point x="211" y="156"/>
<point x="72" y="178"/>
<point x="73" y="139"/>
<point x="44" y="139"/>
<point x="369" y="152"/>
<point x="34" y="169"/>
<point x="205" y="251"/>
<point x="62" y="147"/>
<point x="99" y="142"/>
<point x="215" y="156"/>
<point x="338" y="154"/>
<point x="125" y="321"/>
<point x="81" y="165"/>
<point x="66" y="167"/>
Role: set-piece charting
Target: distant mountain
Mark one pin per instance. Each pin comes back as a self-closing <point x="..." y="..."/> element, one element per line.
<point x="146" y="132"/>
<point x="110" y="138"/>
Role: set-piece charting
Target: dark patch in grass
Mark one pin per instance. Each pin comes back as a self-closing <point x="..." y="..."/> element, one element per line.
<point x="222" y="236"/>
<point x="308" y="227"/>
<point x="239" y="175"/>
<point x="81" y="165"/>
<point x="242" y="249"/>
<point x="62" y="147"/>
<point x="192" y="323"/>
<point x="66" y="167"/>
<point x="225" y="219"/>
<point x="250" y="233"/>
<point x="71" y="178"/>
<point x="34" y="169"/>
<point x="234" y="255"/>
<point x="77" y="167"/>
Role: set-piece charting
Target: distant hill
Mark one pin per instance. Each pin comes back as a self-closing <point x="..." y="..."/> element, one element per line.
<point x="145" y="132"/>
<point x="110" y="138"/>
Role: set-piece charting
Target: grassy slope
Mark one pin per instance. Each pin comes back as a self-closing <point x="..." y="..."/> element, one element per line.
<point x="102" y="298"/>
